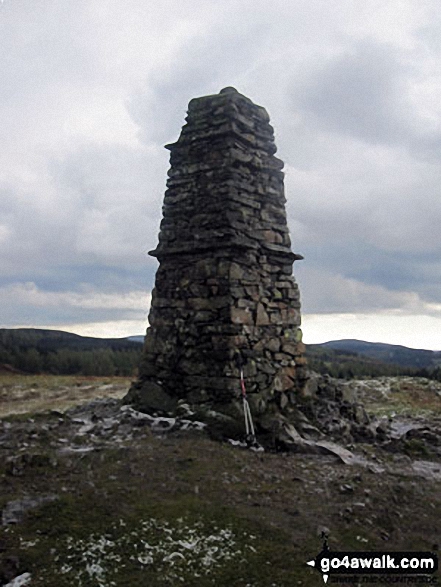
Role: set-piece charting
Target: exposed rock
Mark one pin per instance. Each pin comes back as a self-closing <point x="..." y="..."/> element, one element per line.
<point x="295" y="442"/>
<point x="360" y="415"/>
<point x="347" y="393"/>
<point x="427" y="469"/>
<point x="14" y="511"/>
<point x="151" y="397"/>
<point x="343" y="454"/>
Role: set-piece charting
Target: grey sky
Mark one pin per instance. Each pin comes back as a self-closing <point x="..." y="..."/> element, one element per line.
<point x="92" y="89"/>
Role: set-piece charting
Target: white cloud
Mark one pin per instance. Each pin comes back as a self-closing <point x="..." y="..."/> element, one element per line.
<point x="22" y="301"/>
<point x="5" y="233"/>
<point x="29" y="293"/>
<point x="337" y="294"/>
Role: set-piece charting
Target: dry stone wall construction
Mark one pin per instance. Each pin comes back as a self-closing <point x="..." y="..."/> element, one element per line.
<point x="224" y="283"/>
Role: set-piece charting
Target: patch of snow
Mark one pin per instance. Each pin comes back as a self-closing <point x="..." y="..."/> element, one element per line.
<point x="28" y="543"/>
<point x="171" y="548"/>
<point x="109" y="423"/>
<point x="85" y="429"/>
<point x="74" y="449"/>
<point x="170" y="558"/>
<point x="20" y="581"/>
<point x="237" y="442"/>
<point x="145" y="560"/>
<point x="163" y="424"/>
<point x="192" y="425"/>
<point x="135" y="414"/>
<point x="400" y="428"/>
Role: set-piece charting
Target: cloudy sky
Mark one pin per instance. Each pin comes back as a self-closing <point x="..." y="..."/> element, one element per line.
<point x="91" y="90"/>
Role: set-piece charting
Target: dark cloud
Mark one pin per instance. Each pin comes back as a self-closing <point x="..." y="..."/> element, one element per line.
<point x="361" y="93"/>
<point x="103" y="209"/>
<point x="207" y="63"/>
<point x="392" y="271"/>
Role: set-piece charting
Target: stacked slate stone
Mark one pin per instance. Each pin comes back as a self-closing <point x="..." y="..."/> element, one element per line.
<point x="224" y="284"/>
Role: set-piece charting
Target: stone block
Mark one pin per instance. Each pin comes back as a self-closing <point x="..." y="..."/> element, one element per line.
<point x="262" y="317"/>
<point x="290" y="349"/>
<point x="241" y="316"/>
<point x="151" y="397"/>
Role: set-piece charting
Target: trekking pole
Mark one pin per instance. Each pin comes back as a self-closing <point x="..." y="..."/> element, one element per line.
<point x="249" y="426"/>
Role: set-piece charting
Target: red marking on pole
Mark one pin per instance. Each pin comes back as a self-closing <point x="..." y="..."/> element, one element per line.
<point x="242" y="384"/>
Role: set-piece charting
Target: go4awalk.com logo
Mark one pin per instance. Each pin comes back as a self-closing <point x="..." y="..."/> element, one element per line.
<point x="328" y="563"/>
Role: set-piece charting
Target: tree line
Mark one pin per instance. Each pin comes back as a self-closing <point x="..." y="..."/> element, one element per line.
<point x="357" y="369"/>
<point x="72" y="362"/>
<point x="351" y="365"/>
<point x="62" y="353"/>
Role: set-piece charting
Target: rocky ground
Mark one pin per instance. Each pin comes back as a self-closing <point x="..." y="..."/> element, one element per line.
<point x="94" y="493"/>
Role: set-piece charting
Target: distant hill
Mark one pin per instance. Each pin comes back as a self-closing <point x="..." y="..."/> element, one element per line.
<point x="357" y="358"/>
<point x="388" y="353"/>
<point x="137" y="338"/>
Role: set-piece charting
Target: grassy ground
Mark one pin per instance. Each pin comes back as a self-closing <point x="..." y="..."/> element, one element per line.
<point x="34" y="393"/>
<point x="180" y="509"/>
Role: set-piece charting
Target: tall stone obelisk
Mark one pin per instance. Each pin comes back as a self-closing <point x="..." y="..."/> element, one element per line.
<point x="224" y="283"/>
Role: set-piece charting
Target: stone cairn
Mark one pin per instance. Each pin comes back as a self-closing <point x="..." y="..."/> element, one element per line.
<point x="224" y="287"/>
